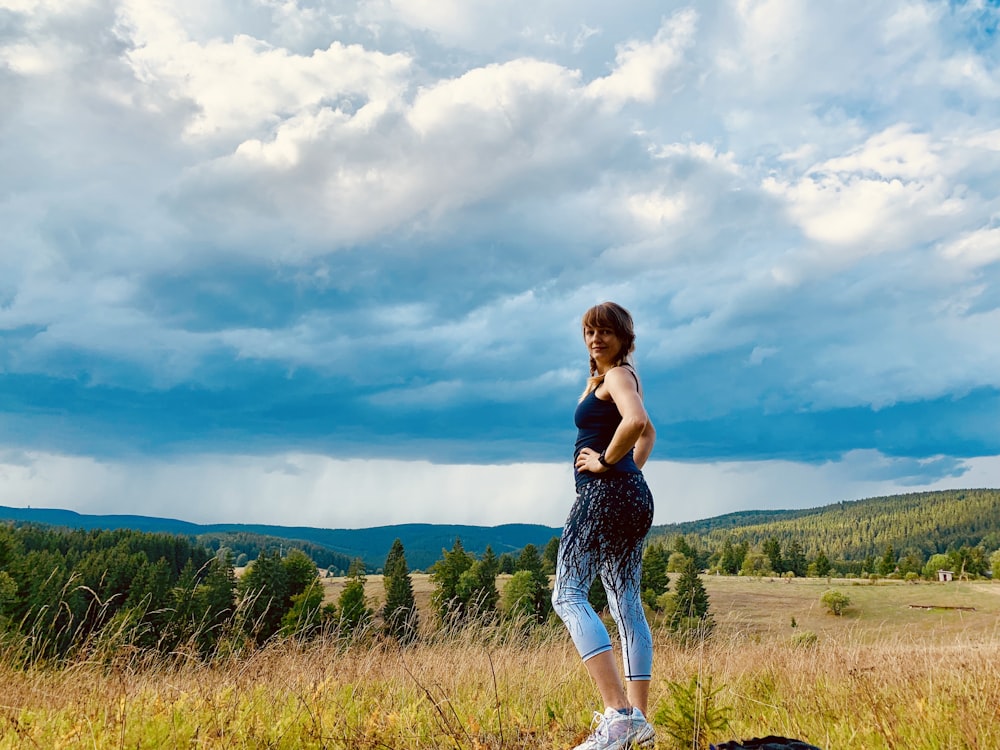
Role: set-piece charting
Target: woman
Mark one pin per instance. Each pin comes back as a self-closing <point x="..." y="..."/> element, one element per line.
<point x="606" y="528"/>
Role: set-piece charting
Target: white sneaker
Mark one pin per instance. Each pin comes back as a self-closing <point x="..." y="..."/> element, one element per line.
<point x="618" y="731"/>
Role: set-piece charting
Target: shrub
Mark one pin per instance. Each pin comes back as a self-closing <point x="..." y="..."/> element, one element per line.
<point x="835" y="601"/>
<point x="805" y="639"/>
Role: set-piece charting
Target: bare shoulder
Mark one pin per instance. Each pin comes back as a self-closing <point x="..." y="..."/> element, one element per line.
<point x="622" y="376"/>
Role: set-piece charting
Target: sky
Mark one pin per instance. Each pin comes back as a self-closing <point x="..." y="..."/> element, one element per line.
<point x="323" y="262"/>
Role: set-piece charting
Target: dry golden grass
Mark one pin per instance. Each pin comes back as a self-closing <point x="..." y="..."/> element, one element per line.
<point x="877" y="613"/>
<point x="884" y="676"/>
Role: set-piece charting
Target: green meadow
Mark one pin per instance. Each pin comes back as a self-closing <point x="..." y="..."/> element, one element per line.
<point x="906" y="666"/>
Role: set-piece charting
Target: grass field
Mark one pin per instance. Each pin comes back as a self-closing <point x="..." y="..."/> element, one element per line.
<point x="760" y="607"/>
<point x="885" y="675"/>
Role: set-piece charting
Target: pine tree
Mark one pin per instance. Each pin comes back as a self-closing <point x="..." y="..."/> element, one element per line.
<point x="868" y="566"/>
<point x="303" y="594"/>
<point x="821" y="565"/>
<point x="506" y="563"/>
<point x="264" y="595"/>
<point x="182" y="593"/>
<point x="530" y="562"/>
<point x="727" y="560"/>
<point x="446" y="574"/>
<point x="307" y="613"/>
<point x="529" y="559"/>
<point x="477" y="587"/>
<point x="550" y="555"/>
<point x="399" y="614"/>
<point x="682" y="545"/>
<point x="300" y="573"/>
<point x="214" y="599"/>
<point x="911" y="562"/>
<point x="772" y="548"/>
<point x="654" y="581"/>
<point x="689" y="610"/>
<point x="732" y="557"/>
<point x="742" y="550"/>
<point x="795" y="560"/>
<point x="8" y="590"/>
<point x="887" y="564"/>
<point x="518" y="600"/>
<point x="355" y="614"/>
<point x="464" y="586"/>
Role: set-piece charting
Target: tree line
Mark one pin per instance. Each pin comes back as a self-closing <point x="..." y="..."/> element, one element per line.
<point x="247" y="546"/>
<point x="852" y="533"/>
<point x="465" y="588"/>
<point x="773" y="557"/>
<point x="66" y="590"/>
<point x="63" y="591"/>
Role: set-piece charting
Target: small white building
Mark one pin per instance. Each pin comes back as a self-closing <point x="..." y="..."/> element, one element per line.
<point x="946" y="576"/>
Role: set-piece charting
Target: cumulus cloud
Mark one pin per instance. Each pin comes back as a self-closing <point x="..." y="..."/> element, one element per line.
<point x="889" y="193"/>
<point x="372" y="227"/>
<point x="641" y="66"/>
<point x="974" y="249"/>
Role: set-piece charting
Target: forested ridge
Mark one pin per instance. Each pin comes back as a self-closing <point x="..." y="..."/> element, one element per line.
<point x="922" y="522"/>
<point x="329" y="548"/>
<point x="926" y="523"/>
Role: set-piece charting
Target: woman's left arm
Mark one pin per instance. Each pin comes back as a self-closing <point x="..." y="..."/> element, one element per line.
<point x="644" y="445"/>
<point x="624" y="392"/>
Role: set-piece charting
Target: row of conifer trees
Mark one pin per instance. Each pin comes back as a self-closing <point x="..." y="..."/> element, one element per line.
<point x="66" y="591"/>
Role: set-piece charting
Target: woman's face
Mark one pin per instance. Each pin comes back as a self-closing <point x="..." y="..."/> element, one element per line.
<point x="603" y="344"/>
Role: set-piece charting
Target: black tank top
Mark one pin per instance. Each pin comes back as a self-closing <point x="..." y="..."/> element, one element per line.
<point x="596" y="421"/>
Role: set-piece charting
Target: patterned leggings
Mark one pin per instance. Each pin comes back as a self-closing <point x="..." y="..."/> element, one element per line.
<point x="603" y="536"/>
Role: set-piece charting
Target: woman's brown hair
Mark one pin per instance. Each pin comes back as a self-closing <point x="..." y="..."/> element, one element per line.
<point x="618" y="319"/>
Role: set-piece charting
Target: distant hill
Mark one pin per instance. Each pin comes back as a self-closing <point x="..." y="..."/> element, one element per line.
<point x="423" y="542"/>
<point x="925" y="522"/>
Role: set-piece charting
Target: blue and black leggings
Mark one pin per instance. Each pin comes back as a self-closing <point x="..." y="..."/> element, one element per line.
<point x="603" y="536"/>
